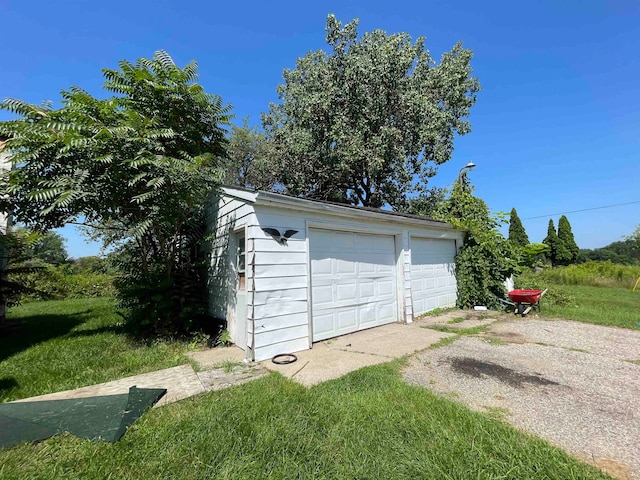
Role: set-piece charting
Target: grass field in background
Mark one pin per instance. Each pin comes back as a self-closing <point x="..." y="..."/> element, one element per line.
<point x="619" y="307"/>
<point x="594" y="274"/>
<point x="368" y="424"/>
<point x="66" y="344"/>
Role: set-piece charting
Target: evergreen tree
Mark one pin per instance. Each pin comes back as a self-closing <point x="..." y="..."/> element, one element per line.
<point x="552" y="241"/>
<point x="565" y="237"/>
<point x="560" y="254"/>
<point x="517" y="233"/>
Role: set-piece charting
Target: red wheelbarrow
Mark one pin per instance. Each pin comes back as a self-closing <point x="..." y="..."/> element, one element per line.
<point x="525" y="300"/>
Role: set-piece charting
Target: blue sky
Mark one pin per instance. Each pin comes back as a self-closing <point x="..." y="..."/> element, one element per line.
<point x="556" y="127"/>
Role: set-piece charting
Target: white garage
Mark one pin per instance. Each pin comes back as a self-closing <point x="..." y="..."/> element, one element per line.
<point x="433" y="279"/>
<point x="287" y="272"/>
<point x="353" y="282"/>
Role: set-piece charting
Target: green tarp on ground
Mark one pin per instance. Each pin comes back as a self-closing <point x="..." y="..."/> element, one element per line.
<point x="96" y="418"/>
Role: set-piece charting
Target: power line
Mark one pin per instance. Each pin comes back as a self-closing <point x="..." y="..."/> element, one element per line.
<point x="583" y="210"/>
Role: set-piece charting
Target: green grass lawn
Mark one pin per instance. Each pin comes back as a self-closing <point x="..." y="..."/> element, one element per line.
<point x="366" y="425"/>
<point x="66" y="344"/>
<point x="611" y="306"/>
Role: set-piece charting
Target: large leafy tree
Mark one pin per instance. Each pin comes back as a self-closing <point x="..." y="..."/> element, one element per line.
<point x="517" y="233"/>
<point x="635" y="237"/>
<point x="46" y="249"/>
<point x="565" y="237"/>
<point x="426" y="203"/>
<point x="371" y="120"/>
<point x="137" y="166"/>
<point x="247" y="162"/>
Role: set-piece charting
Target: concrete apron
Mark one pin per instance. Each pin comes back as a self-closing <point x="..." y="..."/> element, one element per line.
<point x="327" y="360"/>
<point x="336" y="357"/>
<point x="181" y="382"/>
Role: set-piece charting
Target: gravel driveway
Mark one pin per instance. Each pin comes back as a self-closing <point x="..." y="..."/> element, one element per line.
<point x="574" y="384"/>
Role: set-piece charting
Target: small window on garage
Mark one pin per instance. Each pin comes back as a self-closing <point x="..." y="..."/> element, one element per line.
<point x="241" y="263"/>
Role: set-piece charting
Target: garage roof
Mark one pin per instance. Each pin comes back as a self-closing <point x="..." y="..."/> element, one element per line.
<point x="261" y="197"/>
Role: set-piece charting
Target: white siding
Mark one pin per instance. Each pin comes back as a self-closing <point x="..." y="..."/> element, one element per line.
<point x="226" y="216"/>
<point x="280" y="301"/>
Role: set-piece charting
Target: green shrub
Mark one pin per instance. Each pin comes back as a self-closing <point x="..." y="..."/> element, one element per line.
<point x="57" y="283"/>
<point x="556" y="295"/>
<point x="486" y="258"/>
<point x="160" y="299"/>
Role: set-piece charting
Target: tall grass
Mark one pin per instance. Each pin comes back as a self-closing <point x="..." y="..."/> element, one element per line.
<point x="594" y="274"/>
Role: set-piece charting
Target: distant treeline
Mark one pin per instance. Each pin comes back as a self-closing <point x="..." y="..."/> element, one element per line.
<point x="625" y="252"/>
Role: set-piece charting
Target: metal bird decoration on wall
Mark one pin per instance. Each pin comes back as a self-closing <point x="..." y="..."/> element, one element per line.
<point x="281" y="239"/>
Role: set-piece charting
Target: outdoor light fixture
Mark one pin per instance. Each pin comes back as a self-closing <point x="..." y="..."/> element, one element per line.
<point x="468" y="166"/>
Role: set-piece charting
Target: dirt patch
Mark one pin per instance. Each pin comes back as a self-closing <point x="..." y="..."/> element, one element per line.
<point x="476" y="368"/>
<point x="611" y="467"/>
<point x="506" y="336"/>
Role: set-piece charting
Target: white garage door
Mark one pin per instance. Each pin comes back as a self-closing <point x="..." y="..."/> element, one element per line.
<point x="353" y="282"/>
<point x="433" y="281"/>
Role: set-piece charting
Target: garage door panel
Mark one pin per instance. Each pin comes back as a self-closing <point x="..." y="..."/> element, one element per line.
<point x="322" y="294"/>
<point x="385" y="287"/>
<point x="342" y="241"/>
<point x="346" y="292"/>
<point x="346" y="320"/>
<point x="359" y="289"/>
<point x="323" y="266"/>
<point x="385" y="270"/>
<point x="432" y="274"/>
<point x="344" y="266"/>
<point x="367" y="314"/>
<point x="364" y="267"/>
<point x="367" y="289"/>
<point x="324" y="324"/>
<point x="387" y="311"/>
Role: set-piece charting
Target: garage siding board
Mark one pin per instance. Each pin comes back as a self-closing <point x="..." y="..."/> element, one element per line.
<point x="433" y="280"/>
<point x="280" y="295"/>
<point x="353" y="282"/>
<point x="227" y="215"/>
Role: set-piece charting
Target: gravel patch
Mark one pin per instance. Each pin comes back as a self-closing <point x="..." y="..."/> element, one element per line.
<point x="568" y="382"/>
<point x="619" y="343"/>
